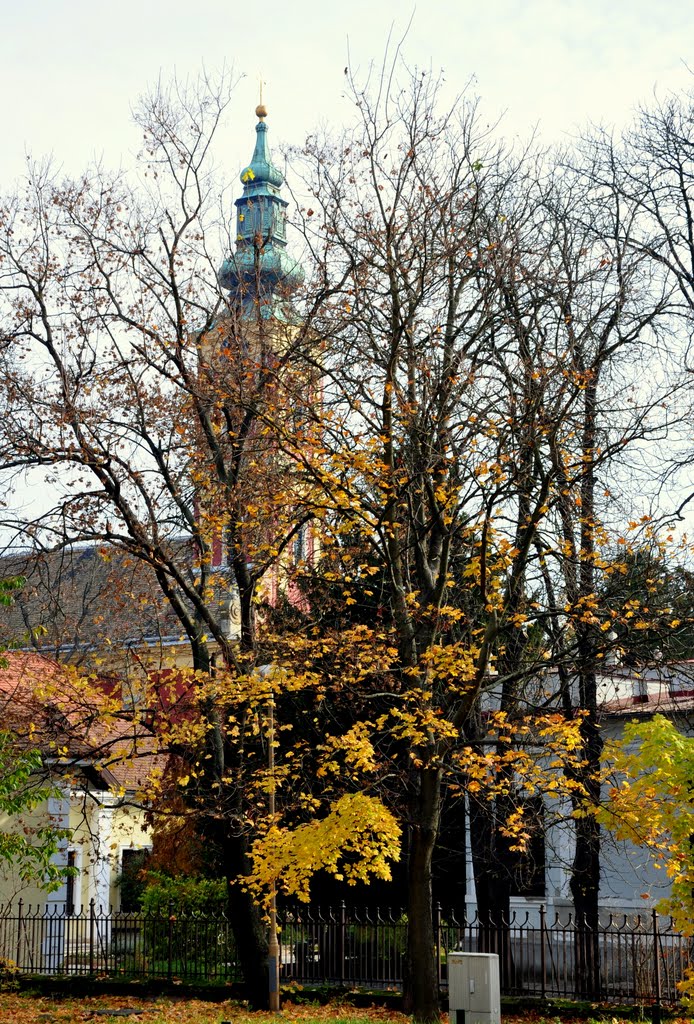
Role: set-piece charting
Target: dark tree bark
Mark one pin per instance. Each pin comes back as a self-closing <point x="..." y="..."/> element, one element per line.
<point x="421" y="995"/>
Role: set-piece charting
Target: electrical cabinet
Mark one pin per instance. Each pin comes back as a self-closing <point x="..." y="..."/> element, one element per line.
<point x="474" y="995"/>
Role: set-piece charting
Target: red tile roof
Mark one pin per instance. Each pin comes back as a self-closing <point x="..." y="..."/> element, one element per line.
<point x="76" y="722"/>
<point x="653" y="704"/>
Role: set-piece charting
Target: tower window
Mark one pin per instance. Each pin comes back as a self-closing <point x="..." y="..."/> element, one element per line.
<point x="300" y="545"/>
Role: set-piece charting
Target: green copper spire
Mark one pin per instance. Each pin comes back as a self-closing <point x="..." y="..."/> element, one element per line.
<point x="261" y="273"/>
<point x="261" y="176"/>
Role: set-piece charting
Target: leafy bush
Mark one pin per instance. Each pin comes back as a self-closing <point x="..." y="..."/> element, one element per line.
<point x="184" y="927"/>
<point x="9" y="975"/>
<point x="184" y="896"/>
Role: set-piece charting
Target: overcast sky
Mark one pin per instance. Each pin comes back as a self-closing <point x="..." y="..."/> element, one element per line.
<point x="71" y="69"/>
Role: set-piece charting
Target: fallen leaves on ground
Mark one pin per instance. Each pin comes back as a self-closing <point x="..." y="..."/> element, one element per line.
<point x="19" y="1008"/>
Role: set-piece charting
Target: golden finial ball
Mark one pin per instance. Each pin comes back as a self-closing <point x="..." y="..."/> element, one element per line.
<point x="261" y="111"/>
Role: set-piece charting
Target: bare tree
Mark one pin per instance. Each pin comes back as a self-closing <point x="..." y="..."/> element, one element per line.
<point x="146" y="393"/>
<point x="649" y="172"/>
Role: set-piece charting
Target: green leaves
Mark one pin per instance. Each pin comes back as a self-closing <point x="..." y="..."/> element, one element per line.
<point x="8" y="588"/>
<point x="651" y="803"/>
<point x="29" y="850"/>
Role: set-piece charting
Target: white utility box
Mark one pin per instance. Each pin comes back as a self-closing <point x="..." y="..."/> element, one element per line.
<point x="474" y="995"/>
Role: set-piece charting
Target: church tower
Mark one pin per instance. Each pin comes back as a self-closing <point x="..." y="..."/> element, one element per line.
<point x="260" y="275"/>
<point x="261" y="278"/>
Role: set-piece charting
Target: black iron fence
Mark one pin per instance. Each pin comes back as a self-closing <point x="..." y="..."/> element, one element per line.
<point x="635" y="958"/>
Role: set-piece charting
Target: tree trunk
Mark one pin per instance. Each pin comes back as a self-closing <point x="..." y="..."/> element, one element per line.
<point x="585" y="877"/>
<point x="421" y="982"/>
<point x="250" y="931"/>
<point x="585" y="887"/>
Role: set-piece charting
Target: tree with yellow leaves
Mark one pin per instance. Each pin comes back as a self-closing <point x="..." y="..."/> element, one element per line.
<point x="475" y="344"/>
<point x="649" y="777"/>
<point x="650" y="783"/>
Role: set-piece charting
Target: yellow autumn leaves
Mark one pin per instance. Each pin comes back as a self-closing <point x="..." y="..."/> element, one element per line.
<point x="356" y="841"/>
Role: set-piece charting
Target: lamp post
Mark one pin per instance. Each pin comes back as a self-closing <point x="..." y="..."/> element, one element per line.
<point x="273" y="947"/>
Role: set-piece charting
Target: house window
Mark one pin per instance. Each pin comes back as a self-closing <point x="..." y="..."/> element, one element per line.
<point x="131" y="881"/>
<point x="70" y="884"/>
<point x="281" y="223"/>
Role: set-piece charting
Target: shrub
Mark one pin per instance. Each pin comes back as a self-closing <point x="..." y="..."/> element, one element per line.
<point x="184" y="896"/>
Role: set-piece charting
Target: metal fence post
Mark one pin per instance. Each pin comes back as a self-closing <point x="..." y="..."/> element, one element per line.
<point x="341" y="944"/>
<point x="19" y="935"/>
<point x="437" y="940"/>
<point x="657" y="1014"/>
<point x="543" y="954"/>
<point x="169" y="963"/>
<point x="91" y="936"/>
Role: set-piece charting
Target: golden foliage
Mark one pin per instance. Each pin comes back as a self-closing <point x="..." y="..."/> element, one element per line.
<point x="355" y="842"/>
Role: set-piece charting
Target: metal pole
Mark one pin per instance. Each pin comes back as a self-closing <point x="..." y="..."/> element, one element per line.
<point x="341" y="942"/>
<point x="18" y="957"/>
<point x="92" y="912"/>
<point x="543" y="960"/>
<point x="273" y="949"/>
<point x="169" y="944"/>
<point x="657" y="1013"/>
